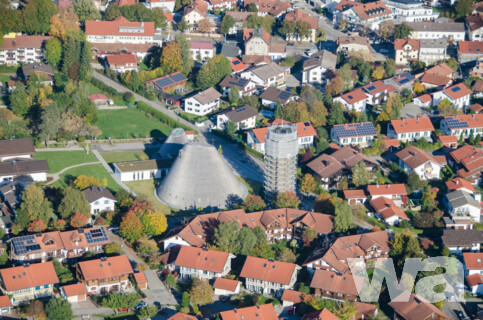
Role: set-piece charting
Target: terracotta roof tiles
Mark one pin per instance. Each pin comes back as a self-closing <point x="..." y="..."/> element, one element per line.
<point x="202" y="259"/>
<point x="28" y="276"/>
<point x="110" y="267"/>
<point x="268" y="270"/>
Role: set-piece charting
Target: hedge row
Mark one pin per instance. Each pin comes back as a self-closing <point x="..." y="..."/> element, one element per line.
<point x="104" y="87"/>
<point x="170" y="122"/>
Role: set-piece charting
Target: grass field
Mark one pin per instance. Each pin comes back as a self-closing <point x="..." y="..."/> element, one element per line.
<point x="111" y="157"/>
<point x="129" y="123"/>
<point x="253" y="186"/>
<point x="146" y="189"/>
<point x="4" y="78"/>
<point x="59" y="160"/>
<point x="93" y="170"/>
<point x="91" y="89"/>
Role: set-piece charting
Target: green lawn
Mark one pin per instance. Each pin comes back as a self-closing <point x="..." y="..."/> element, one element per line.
<point x="93" y="170"/>
<point x="4" y="78"/>
<point x="91" y="89"/>
<point x="145" y="189"/>
<point x="59" y="160"/>
<point x="112" y="157"/>
<point x="129" y="123"/>
<point x="253" y="186"/>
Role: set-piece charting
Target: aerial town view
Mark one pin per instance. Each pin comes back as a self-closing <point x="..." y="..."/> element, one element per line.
<point x="241" y="159"/>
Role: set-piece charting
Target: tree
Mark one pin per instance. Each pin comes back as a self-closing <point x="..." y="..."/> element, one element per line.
<point x="446" y="108"/>
<point x="19" y="100"/>
<point x="308" y="183"/>
<point x="131" y="227"/>
<point x="185" y="300"/>
<point x="287" y="27"/>
<point x="85" y="60"/>
<point x="417" y="66"/>
<point x="204" y="26"/>
<point x="343" y="217"/>
<point x="463" y="8"/>
<point x="35" y="309"/>
<point x="37" y="226"/>
<point x="36" y="15"/>
<point x="402" y="31"/>
<point x="386" y="30"/>
<point x="303" y="29"/>
<point x="83" y="182"/>
<point x="336" y="114"/>
<point x="253" y="203"/>
<point x="246" y="240"/>
<point x="183" y="25"/>
<point x="225" y="237"/>
<point x="287" y="199"/>
<point x="73" y="201"/>
<point x="418" y="88"/>
<point x="112" y="12"/>
<point x="171" y="60"/>
<point x="185" y="52"/>
<point x="58" y="224"/>
<point x="213" y="71"/>
<point x="121" y="300"/>
<point x="170" y="281"/>
<point x="50" y="122"/>
<point x="287" y="255"/>
<point x="146" y="248"/>
<point x="404" y="246"/>
<point x="389" y="68"/>
<point x="227" y="23"/>
<point x="86" y="10"/>
<point x="159" y="18"/>
<point x="345" y="73"/>
<point x="234" y="96"/>
<point x="201" y="292"/>
<point x="414" y="182"/>
<point x="394" y="106"/>
<point x="335" y="86"/>
<point x="309" y="236"/>
<point x="59" y="309"/>
<point x="6" y="115"/>
<point x="71" y="54"/>
<point x="252" y="7"/>
<point x="346" y="310"/>
<point x="148" y="311"/>
<point x="230" y="128"/>
<point x="53" y="51"/>
<point x="78" y="220"/>
<point x="318" y="114"/>
<point x="62" y="272"/>
<point x="360" y="175"/>
<point x="64" y="23"/>
<point x="112" y="248"/>
<point x="378" y="73"/>
<point x="34" y="206"/>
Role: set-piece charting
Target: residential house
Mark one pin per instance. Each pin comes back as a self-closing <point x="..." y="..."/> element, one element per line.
<point x="474" y="271"/>
<point x="395" y="192"/>
<point x="276" y="8"/>
<point x="401" y="81"/>
<point x="409" y="306"/>
<point x="315" y="68"/>
<point x="426" y="166"/>
<point x="267" y="75"/>
<point x="463" y="205"/>
<point x="122" y="62"/>
<point x="120" y="30"/>
<point x="459" y="95"/>
<point x="74" y="292"/>
<point x="195" y="12"/>
<point x="141" y="170"/>
<point x="25" y="49"/>
<point x="448" y="141"/>
<point x="466" y="125"/>
<point x="368" y="246"/>
<point x="296" y="16"/>
<point x="433" y="50"/>
<point x="224" y="286"/>
<point x="166" y="5"/>
<point x="221" y="5"/>
<point x="99" y="99"/>
<point x="460" y="184"/>
<point x="44" y="72"/>
<point x="387" y="210"/>
<point x="245" y="87"/>
<point x="28" y="282"/>
<point x="202" y="50"/>
<point x="240" y="18"/>
<point x="377" y="92"/>
<point x="459" y="241"/>
<point x="203" y="102"/>
<point x="354" y="100"/>
<point x="334" y="286"/>
<point x="141" y="280"/>
<point x="58" y="245"/>
<point x="202" y="263"/>
<point x="100" y="199"/>
<point x="410" y="129"/>
<point x="355" y="45"/>
<point x="468" y="161"/>
<point x="173" y="82"/>
<point x="264" y="311"/>
<point x="407" y="50"/>
<point x="478" y="86"/>
<point x="305" y="135"/>
<point x="34" y="170"/>
<point x="355" y="197"/>
<point x="291" y="298"/>
<point x="236" y="64"/>
<point x="244" y="117"/>
<point x="411" y="10"/>
<point x="257" y="42"/>
<point x="369" y="14"/>
<point x="360" y="134"/>
<point x="278" y="224"/>
<point x="272" y="96"/>
<point x="331" y="168"/>
<point x="267" y="276"/>
<point x="105" y="275"/>
<point x="5" y="305"/>
<point x="16" y="149"/>
<point x="434" y="30"/>
<point x="470" y="52"/>
<point x="423" y="101"/>
<point x="438" y="77"/>
<point x="140" y="50"/>
<point x="474" y="27"/>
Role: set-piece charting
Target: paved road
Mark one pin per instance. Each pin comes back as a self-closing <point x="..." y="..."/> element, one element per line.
<point x="156" y="292"/>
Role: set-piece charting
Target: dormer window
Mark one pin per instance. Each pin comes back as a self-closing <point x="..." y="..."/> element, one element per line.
<point x="478" y="260"/>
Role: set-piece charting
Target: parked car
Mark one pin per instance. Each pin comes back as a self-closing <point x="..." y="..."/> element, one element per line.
<point x="140" y="305"/>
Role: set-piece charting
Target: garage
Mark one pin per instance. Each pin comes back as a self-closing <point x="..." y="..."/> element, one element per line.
<point x="74" y="292"/>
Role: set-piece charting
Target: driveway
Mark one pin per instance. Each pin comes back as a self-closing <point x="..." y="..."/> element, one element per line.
<point x="89" y="308"/>
<point x="451" y="307"/>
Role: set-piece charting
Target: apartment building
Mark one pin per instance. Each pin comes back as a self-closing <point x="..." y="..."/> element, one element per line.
<point x="22" y="49"/>
<point x="120" y="30"/>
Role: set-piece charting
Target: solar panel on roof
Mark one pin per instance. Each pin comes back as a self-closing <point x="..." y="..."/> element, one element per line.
<point x="403" y="81"/>
<point x="241" y="109"/>
<point x="284" y="95"/>
<point x="236" y="62"/>
<point x="350" y="97"/>
<point x="178" y="77"/>
<point x="164" y="82"/>
<point x="371" y="88"/>
<point x="96" y="235"/>
<point x="455" y="89"/>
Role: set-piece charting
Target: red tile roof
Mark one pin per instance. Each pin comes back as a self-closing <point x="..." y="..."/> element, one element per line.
<point x="305" y="129"/>
<point x="292" y="296"/>
<point x="475" y="279"/>
<point x="441" y="70"/>
<point x="354" y="194"/>
<point x="455" y="93"/>
<point x="111" y="28"/>
<point x="391" y="142"/>
<point x="371" y="10"/>
<point x="268" y="270"/>
<point x="122" y="3"/>
<point x="105" y="268"/>
<point x="425" y="98"/>
<point x="386" y="189"/>
<point x="435" y="79"/>
<point x="448" y="139"/>
<point x="470" y="47"/>
<point x="98" y="96"/>
<point x="332" y="282"/>
<point x="140" y="278"/>
<point x="400" y="43"/>
<point x="182" y="316"/>
<point x="477" y="108"/>
<point x="202" y="259"/>
<point x="411" y="307"/>
<point x="299" y="15"/>
<point x="122" y="60"/>
<point x="169" y="16"/>
<point x="20" y="42"/>
<point x="415" y="157"/>
<point x="387" y="208"/>
<point x="473" y="260"/>
<point x="365" y="309"/>
<point x="237" y="66"/>
<point x="248" y="33"/>
<point x="25" y="277"/>
<point x="412" y="125"/>
<point x="472" y="121"/>
<point x="75" y="289"/>
<point x="5" y="302"/>
<point x="205" y="45"/>
<point x="263" y="312"/>
<point x="354" y="96"/>
<point x="323" y="314"/>
<point x="225" y="284"/>
<point x="345" y="4"/>
<point x="458" y="183"/>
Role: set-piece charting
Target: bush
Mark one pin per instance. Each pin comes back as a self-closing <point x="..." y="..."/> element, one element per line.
<point x="128" y="96"/>
<point x="104" y="87"/>
<point x="161" y="116"/>
<point x="81" y="139"/>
